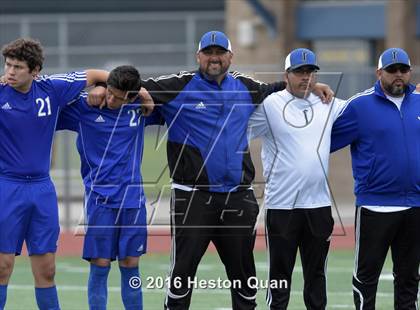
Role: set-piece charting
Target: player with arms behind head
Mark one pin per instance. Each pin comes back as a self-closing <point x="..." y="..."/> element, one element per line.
<point x="110" y="144"/>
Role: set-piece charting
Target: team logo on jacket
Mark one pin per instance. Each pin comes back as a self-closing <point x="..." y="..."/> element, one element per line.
<point x="6" y="106"/>
<point x="200" y="106"/>
<point x="298" y="117"/>
<point x="418" y="117"/>
<point x="100" y="119"/>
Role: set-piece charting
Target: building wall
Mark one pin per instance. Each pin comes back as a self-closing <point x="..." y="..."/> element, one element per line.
<point x="299" y="23"/>
<point x="260" y="47"/>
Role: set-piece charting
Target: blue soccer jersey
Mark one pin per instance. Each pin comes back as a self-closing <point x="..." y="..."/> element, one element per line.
<point x="110" y="144"/>
<point x="28" y="120"/>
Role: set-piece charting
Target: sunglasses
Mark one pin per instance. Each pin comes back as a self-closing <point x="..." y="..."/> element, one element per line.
<point x="394" y="69"/>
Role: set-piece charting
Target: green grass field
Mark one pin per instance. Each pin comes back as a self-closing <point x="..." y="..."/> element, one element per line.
<point x="72" y="277"/>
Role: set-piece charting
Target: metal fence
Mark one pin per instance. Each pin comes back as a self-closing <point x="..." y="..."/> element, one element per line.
<point x="155" y="42"/>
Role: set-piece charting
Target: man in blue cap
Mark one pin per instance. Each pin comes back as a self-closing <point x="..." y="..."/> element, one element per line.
<point x="297" y="125"/>
<point x="207" y="113"/>
<point x="382" y="125"/>
<point x="211" y="168"/>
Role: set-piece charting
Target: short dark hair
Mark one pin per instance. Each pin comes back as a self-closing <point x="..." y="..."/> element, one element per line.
<point x="27" y="50"/>
<point x="125" y="78"/>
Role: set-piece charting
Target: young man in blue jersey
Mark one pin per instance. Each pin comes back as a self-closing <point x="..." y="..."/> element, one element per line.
<point x="29" y="108"/>
<point x="382" y="125"/>
<point x="110" y="144"/>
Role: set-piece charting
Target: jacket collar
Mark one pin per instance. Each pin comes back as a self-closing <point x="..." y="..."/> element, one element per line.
<point x="379" y="92"/>
<point x="204" y="77"/>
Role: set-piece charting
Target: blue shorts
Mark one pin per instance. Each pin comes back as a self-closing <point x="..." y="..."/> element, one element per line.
<point x="28" y="212"/>
<point x="114" y="233"/>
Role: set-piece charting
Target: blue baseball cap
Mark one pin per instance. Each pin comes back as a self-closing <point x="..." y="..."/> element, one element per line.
<point x="215" y="38"/>
<point x="393" y="56"/>
<point x="300" y="57"/>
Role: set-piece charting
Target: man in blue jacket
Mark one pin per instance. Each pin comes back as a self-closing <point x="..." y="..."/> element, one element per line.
<point x="207" y="113"/>
<point x="382" y="125"/>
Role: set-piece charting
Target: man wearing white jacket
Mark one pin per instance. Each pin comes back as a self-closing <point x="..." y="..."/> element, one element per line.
<point x="295" y="127"/>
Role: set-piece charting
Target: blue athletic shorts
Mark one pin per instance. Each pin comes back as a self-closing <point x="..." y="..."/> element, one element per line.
<point x="114" y="232"/>
<point x="28" y="212"/>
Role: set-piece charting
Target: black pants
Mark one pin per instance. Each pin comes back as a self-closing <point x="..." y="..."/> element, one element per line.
<point x="308" y="230"/>
<point x="376" y="232"/>
<point x="226" y="219"/>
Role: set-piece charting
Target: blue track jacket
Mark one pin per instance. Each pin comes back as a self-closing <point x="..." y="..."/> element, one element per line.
<point x="385" y="147"/>
<point x="207" y="144"/>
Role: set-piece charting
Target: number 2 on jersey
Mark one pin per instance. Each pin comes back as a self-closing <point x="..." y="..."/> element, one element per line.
<point x="41" y="102"/>
<point x="135" y="118"/>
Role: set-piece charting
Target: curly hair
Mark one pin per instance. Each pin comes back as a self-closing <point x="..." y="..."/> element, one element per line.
<point x="28" y="50"/>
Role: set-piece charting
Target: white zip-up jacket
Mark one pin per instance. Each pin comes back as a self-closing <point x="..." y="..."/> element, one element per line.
<point x="296" y="139"/>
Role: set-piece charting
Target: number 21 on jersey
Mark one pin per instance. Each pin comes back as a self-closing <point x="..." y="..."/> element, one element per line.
<point x="44" y="106"/>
